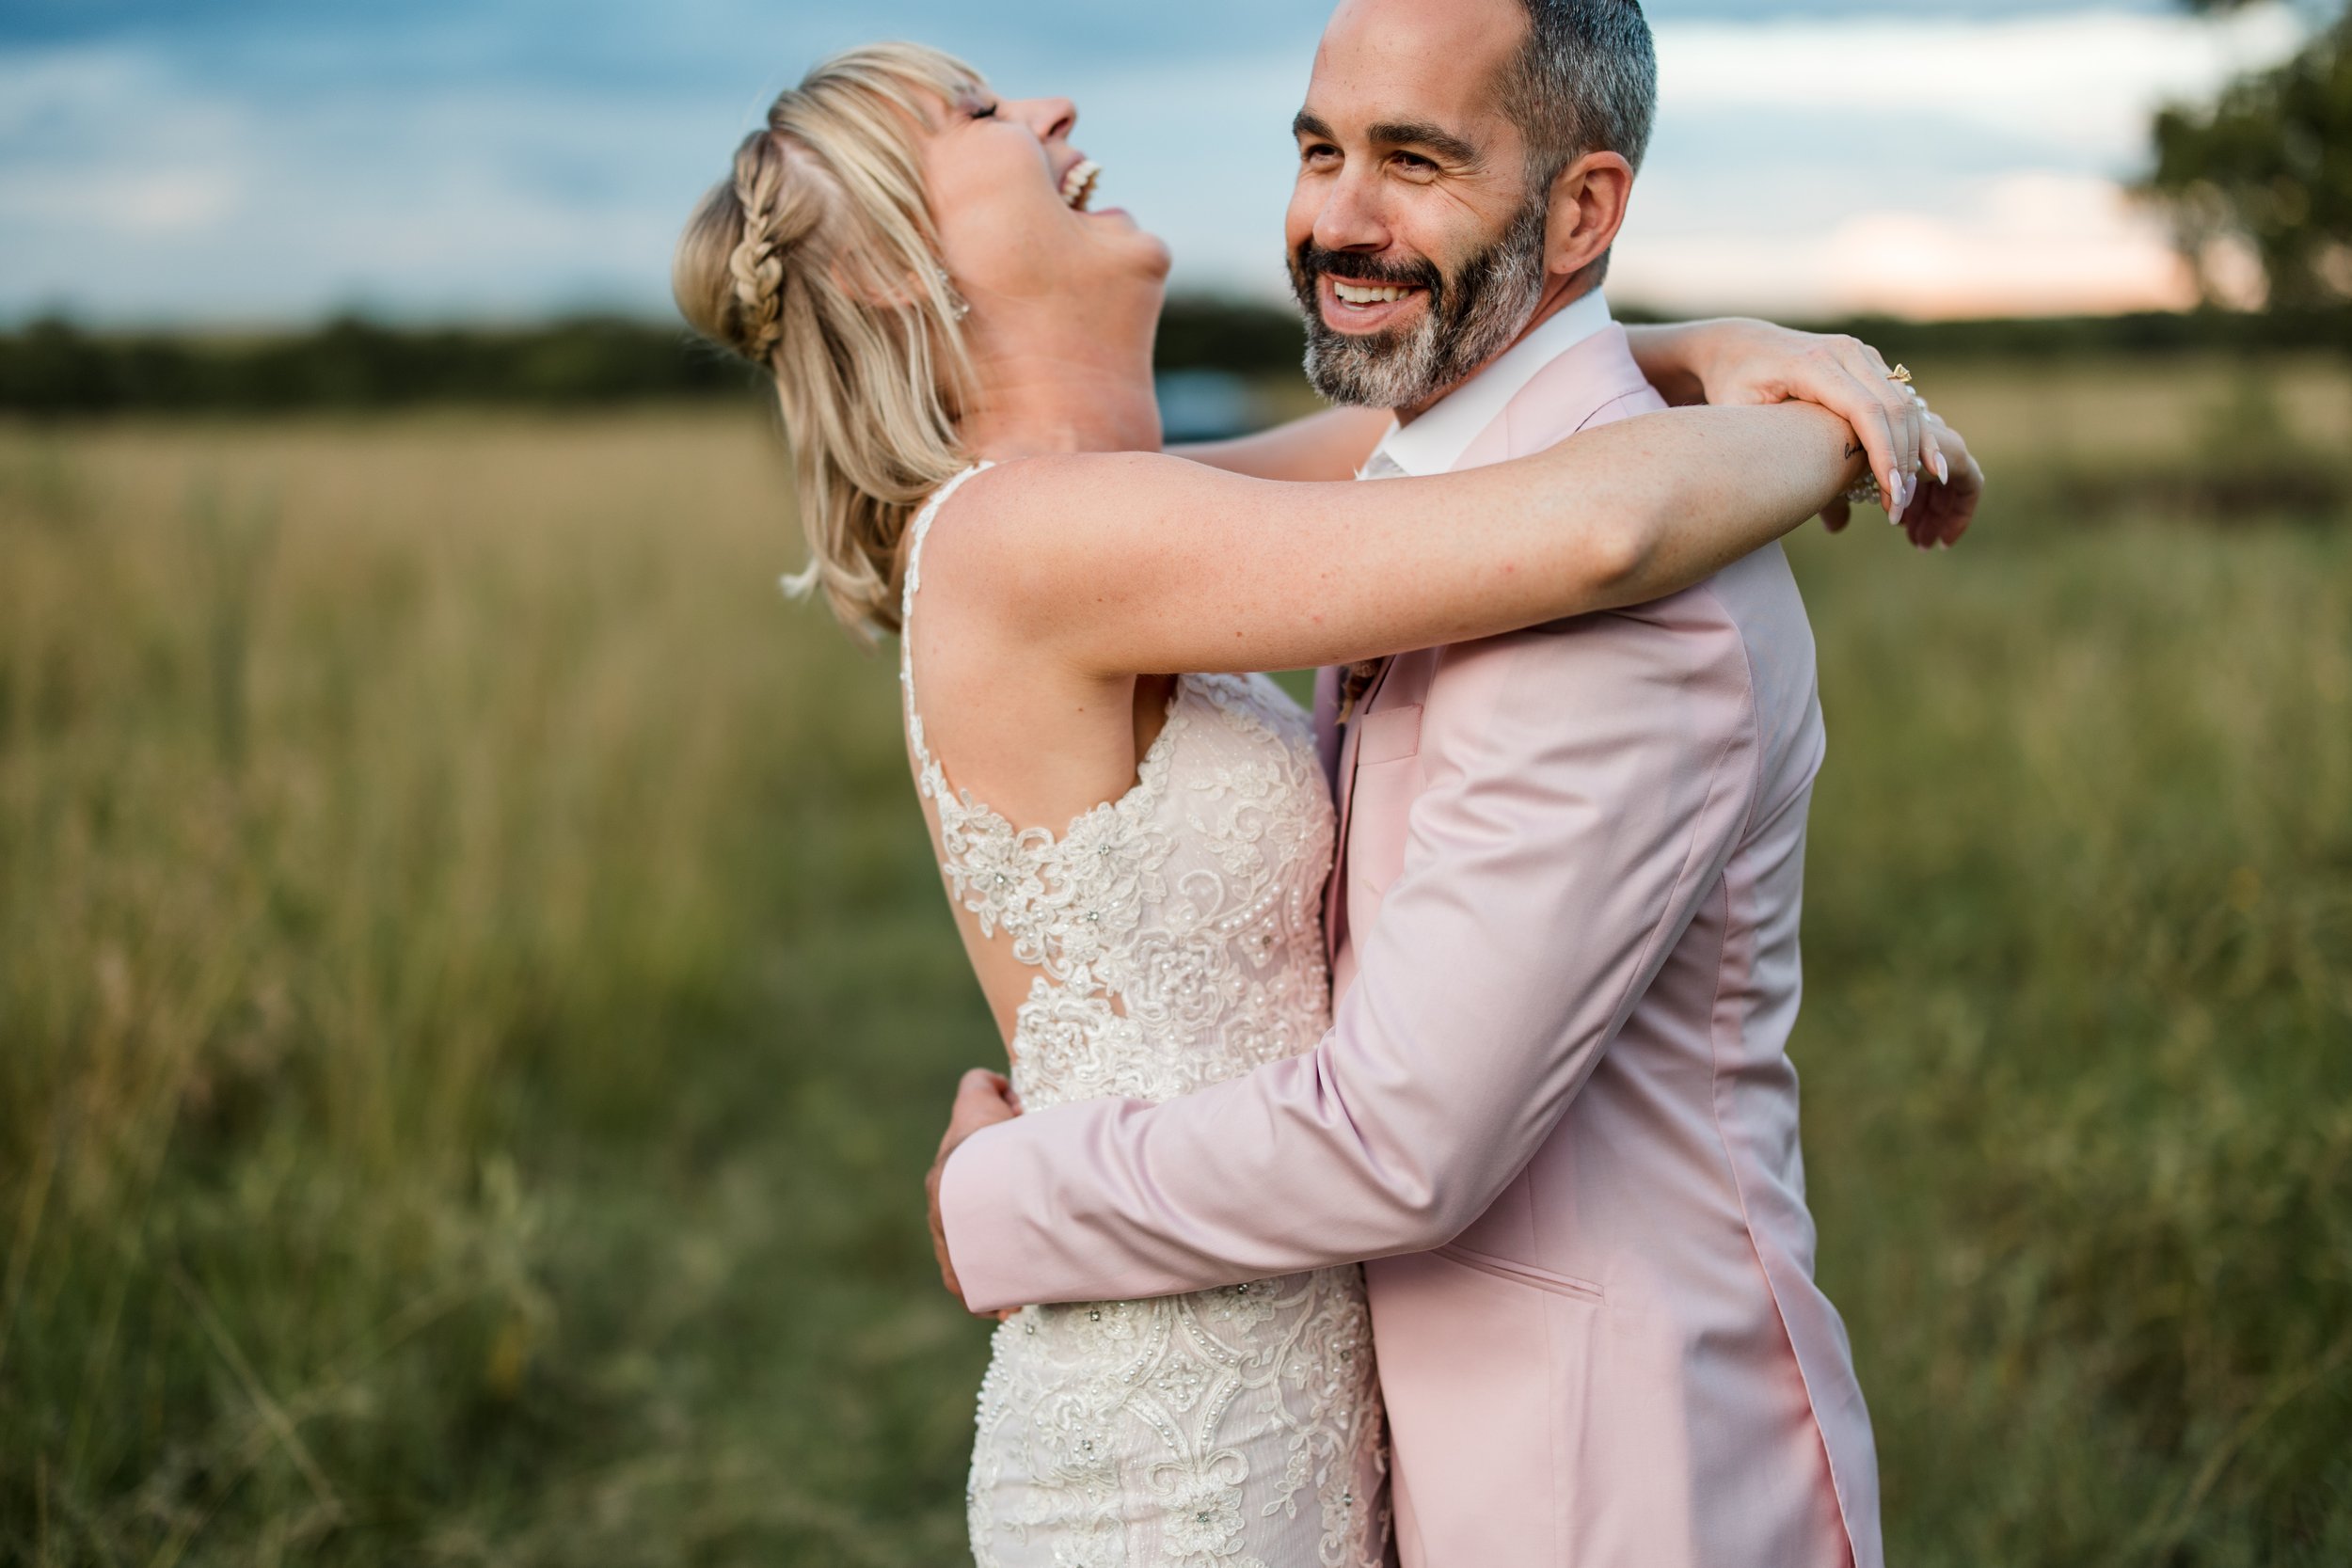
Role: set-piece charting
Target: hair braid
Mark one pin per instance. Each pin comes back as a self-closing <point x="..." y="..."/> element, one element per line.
<point x="757" y="262"/>
<point x="816" y="261"/>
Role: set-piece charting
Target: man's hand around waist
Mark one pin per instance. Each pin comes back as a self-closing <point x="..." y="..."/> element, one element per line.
<point x="983" y="1099"/>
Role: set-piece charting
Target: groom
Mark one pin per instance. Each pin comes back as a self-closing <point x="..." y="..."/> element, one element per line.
<point x="1554" y="1108"/>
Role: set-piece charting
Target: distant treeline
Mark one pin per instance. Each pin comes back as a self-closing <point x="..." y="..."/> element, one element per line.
<point x="2148" y="333"/>
<point x="52" y="367"/>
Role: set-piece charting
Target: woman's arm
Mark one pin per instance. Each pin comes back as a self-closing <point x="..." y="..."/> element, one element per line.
<point x="1735" y="361"/>
<point x="1133" y="563"/>
<point x="1727" y="362"/>
<point x="1332" y="445"/>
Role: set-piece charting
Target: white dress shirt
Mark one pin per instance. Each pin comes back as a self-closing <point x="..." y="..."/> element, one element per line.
<point x="1433" y="443"/>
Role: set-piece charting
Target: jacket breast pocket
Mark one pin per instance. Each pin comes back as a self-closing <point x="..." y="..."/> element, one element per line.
<point x="1391" y="735"/>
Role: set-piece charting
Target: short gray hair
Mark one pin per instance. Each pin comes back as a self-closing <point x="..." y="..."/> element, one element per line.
<point x="1585" y="81"/>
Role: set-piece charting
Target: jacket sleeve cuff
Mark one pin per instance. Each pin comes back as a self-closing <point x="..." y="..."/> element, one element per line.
<point x="973" y="1214"/>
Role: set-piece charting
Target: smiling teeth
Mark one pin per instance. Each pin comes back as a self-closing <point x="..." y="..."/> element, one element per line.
<point x="1351" y="294"/>
<point x="1077" y="186"/>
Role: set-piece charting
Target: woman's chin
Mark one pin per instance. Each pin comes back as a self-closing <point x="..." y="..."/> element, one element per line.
<point x="1120" y="222"/>
<point x="1156" y="256"/>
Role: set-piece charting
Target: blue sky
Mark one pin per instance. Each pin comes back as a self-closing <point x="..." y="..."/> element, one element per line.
<point x="262" y="161"/>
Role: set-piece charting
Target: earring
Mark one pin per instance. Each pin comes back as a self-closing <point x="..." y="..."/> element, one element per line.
<point x="958" y="306"/>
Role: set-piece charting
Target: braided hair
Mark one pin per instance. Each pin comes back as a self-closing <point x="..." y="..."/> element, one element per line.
<point x="818" y="261"/>
<point x="756" y="264"/>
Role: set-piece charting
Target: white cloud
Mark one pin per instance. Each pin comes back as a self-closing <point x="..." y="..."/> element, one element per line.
<point x="2082" y="83"/>
<point x="1925" y="168"/>
<point x="1807" y="167"/>
<point x="111" y="200"/>
<point x="137" y="188"/>
<point x="103" y="139"/>
<point x="2015" y="244"/>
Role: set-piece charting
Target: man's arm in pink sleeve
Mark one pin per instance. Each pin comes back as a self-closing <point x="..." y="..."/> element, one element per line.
<point x="1557" y="853"/>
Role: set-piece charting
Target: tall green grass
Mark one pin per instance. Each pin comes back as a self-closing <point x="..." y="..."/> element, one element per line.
<point x="475" y="1007"/>
<point x="475" y="995"/>
<point x="2078" y="1040"/>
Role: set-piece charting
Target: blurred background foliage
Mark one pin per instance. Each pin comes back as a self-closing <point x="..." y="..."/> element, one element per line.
<point x="53" y="368"/>
<point x="2269" y="167"/>
<point x="476" y="1004"/>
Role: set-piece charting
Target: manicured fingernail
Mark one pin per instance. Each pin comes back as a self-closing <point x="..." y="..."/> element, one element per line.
<point x="1943" y="471"/>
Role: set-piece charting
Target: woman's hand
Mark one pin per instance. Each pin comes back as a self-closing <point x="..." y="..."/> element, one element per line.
<point x="1947" y="495"/>
<point x="1737" y="361"/>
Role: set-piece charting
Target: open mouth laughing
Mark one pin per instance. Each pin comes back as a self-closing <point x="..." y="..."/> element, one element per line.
<point x="1363" y="306"/>
<point x="1077" y="186"/>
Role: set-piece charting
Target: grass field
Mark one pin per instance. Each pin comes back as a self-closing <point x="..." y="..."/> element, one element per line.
<point x="475" y="1005"/>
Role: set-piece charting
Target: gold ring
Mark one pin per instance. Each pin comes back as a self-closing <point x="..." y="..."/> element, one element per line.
<point x="1901" y="374"/>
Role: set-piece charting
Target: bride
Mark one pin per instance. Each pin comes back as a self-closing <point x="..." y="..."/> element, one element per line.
<point x="962" y="352"/>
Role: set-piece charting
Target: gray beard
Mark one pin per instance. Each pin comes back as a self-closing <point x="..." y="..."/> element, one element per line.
<point x="1486" y="305"/>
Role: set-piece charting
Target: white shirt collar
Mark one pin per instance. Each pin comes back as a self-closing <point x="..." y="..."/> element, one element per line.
<point x="1436" y="442"/>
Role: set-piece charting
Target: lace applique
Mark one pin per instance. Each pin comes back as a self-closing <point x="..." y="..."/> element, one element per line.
<point x="1231" y="1429"/>
<point x="1177" y="937"/>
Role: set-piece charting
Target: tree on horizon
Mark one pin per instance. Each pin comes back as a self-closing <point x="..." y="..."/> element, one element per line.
<point x="2268" y="165"/>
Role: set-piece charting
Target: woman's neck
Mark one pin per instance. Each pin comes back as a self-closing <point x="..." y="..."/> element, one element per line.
<point x="1046" y="392"/>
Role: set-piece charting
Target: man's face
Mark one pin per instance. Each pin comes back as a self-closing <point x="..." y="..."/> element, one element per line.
<point x="1415" y="244"/>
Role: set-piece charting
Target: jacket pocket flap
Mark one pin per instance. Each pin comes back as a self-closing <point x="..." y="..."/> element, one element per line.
<point x="1389" y="736"/>
<point x="1525" y="1273"/>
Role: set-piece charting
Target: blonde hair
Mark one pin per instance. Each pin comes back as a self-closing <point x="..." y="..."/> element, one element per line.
<point x="819" y="261"/>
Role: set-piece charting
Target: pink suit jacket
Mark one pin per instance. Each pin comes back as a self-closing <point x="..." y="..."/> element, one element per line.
<point x="1554" y="1108"/>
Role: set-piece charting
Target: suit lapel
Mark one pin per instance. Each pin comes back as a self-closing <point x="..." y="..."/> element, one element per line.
<point x="1335" y="891"/>
<point x="1559" y="401"/>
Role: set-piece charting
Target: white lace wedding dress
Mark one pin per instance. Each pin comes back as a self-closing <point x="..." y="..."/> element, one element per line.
<point x="1177" y="936"/>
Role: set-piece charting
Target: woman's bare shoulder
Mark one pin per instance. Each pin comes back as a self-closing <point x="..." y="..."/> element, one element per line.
<point x="1019" y="527"/>
<point x="1056" y="481"/>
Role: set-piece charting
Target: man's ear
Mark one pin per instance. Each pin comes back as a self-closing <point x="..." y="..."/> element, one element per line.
<point x="1588" y="207"/>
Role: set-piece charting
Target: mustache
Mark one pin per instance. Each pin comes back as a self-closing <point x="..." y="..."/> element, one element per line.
<point x="1310" y="262"/>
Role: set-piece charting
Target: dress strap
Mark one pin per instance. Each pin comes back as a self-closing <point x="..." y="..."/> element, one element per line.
<point x="918" y="531"/>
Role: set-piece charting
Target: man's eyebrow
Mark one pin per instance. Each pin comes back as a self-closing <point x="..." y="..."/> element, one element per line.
<point x="1435" y="138"/>
<point x="1398" y="133"/>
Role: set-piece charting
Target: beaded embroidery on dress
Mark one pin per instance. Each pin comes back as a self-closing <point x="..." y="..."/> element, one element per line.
<point x="1177" y="936"/>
